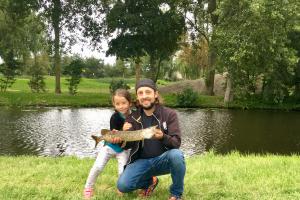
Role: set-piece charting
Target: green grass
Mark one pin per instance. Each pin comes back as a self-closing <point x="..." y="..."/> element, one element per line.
<point x="91" y="93"/>
<point x="208" y="176"/>
<point x="95" y="93"/>
<point x="86" y="85"/>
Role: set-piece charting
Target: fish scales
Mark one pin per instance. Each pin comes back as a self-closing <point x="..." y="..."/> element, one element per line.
<point x="126" y="136"/>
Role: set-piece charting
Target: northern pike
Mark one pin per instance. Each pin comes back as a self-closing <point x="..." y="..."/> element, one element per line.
<point x="126" y="136"/>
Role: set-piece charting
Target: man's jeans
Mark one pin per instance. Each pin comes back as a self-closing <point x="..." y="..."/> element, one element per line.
<point x="138" y="175"/>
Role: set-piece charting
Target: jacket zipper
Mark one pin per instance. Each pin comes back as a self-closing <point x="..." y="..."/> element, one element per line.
<point x="159" y="127"/>
<point x="157" y="121"/>
<point x="129" y="161"/>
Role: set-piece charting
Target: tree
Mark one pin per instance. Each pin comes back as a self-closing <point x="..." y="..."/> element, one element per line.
<point x="37" y="68"/>
<point x="144" y="28"/>
<point x="67" y="15"/>
<point x="94" y="68"/>
<point x="194" y="59"/>
<point x="13" y="38"/>
<point x="202" y="21"/>
<point x="248" y="55"/>
<point x="74" y="71"/>
<point x="294" y="37"/>
<point x="37" y="45"/>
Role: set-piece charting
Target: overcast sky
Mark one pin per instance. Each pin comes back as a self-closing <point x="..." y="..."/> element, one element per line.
<point x="85" y="51"/>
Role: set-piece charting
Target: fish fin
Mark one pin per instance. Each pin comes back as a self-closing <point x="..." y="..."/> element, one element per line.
<point x="97" y="139"/>
<point x="123" y="144"/>
<point x="104" y="131"/>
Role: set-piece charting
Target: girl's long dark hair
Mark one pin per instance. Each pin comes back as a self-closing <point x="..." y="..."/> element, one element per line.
<point x="122" y="93"/>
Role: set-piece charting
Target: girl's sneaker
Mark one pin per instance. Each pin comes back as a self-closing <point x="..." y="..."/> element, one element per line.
<point x="120" y="193"/>
<point x="88" y="193"/>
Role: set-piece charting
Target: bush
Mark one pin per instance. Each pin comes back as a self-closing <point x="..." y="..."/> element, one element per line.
<point x="116" y="84"/>
<point x="73" y="71"/>
<point x="187" y="98"/>
<point x="37" y="83"/>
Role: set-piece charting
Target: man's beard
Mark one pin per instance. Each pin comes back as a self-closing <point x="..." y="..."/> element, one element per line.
<point x="148" y="107"/>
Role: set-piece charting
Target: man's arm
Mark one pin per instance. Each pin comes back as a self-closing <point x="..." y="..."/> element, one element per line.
<point x="172" y="140"/>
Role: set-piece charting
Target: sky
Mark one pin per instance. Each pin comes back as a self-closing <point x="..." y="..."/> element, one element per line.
<point x="86" y="51"/>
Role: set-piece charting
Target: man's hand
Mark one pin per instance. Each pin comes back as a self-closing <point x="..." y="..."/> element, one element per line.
<point x="126" y="126"/>
<point x="158" y="134"/>
<point x="116" y="139"/>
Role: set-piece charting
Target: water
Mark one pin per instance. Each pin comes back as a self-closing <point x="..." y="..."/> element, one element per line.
<point x="64" y="131"/>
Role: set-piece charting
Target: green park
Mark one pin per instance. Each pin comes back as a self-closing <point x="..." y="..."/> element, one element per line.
<point x="230" y="69"/>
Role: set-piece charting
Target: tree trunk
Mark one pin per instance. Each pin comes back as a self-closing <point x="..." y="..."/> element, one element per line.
<point x="210" y="78"/>
<point x="297" y="81"/>
<point x="137" y="70"/>
<point x="212" y="55"/>
<point x="157" y="72"/>
<point x="56" y="15"/>
<point x="229" y="91"/>
<point x="152" y="68"/>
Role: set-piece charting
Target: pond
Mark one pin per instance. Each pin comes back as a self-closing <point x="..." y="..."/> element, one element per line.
<point x="65" y="131"/>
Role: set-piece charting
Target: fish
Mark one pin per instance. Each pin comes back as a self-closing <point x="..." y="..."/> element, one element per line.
<point x="126" y="136"/>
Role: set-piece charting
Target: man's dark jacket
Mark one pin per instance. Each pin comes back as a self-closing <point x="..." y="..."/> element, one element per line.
<point x="166" y="120"/>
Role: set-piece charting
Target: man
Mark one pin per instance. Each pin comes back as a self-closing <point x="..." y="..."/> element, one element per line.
<point x="157" y="156"/>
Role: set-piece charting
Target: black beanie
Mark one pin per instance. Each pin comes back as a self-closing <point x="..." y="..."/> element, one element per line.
<point x="146" y="83"/>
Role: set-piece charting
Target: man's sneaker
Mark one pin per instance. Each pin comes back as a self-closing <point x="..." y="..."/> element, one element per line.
<point x="147" y="192"/>
<point x="88" y="193"/>
<point x="175" y="198"/>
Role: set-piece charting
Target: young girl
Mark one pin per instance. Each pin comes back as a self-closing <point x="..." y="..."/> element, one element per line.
<point x="121" y="100"/>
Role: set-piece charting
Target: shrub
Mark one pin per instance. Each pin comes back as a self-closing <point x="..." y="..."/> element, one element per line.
<point x="187" y="98"/>
<point x="74" y="70"/>
<point x="116" y="84"/>
<point x="37" y="83"/>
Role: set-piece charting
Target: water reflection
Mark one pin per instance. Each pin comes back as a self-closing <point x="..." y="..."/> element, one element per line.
<point x="64" y="131"/>
<point x="204" y="129"/>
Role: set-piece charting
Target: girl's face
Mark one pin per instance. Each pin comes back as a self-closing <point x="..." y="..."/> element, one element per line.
<point x="121" y="104"/>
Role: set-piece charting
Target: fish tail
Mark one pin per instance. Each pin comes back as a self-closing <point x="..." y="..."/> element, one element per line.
<point x="97" y="140"/>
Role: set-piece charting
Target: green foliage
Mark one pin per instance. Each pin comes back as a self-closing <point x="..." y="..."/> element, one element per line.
<point x="145" y="29"/>
<point x="93" y="68"/>
<point x="193" y="59"/>
<point x="9" y="70"/>
<point x="74" y="71"/>
<point x="248" y="55"/>
<point x="14" y="35"/>
<point x="117" y="84"/>
<point x="294" y="37"/>
<point x="187" y="98"/>
<point x="38" y="67"/>
<point x="37" y="82"/>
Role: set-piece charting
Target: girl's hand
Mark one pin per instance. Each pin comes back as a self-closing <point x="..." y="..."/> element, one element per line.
<point x="115" y="140"/>
<point x="126" y="126"/>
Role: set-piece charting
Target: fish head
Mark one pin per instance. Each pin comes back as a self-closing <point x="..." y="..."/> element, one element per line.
<point x="149" y="132"/>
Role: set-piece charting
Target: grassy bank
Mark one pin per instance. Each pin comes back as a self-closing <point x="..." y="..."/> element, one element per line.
<point x="208" y="177"/>
<point x="95" y="93"/>
<point x="91" y="93"/>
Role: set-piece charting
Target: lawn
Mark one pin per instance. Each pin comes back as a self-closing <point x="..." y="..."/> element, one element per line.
<point x="208" y="176"/>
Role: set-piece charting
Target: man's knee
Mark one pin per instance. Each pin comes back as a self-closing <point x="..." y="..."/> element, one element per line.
<point x="176" y="156"/>
<point x="122" y="186"/>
